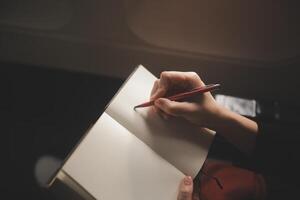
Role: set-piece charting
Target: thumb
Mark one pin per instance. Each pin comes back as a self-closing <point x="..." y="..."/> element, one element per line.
<point x="172" y="107"/>
<point x="186" y="189"/>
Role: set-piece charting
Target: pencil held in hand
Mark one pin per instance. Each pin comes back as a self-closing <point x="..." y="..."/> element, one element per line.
<point x="184" y="95"/>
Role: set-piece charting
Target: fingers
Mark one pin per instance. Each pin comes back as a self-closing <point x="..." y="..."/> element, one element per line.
<point x="186" y="189"/>
<point x="154" y="89"/>
<point x="159" y="89"/>
<point x="161" y="113"/>
<point x="172" y="107"/>
<point x="172" y="81"/>
<point x="160" y="92"/>
<point x="183" y="80"/>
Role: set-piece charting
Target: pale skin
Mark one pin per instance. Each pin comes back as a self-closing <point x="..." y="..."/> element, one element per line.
<point x="204" y="111"/>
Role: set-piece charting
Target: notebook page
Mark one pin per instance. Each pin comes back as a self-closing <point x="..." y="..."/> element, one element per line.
<point x="111" y="163"/>
<point x="179" y="142"/>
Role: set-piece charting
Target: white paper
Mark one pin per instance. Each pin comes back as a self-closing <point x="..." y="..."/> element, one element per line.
<point x="111" y="163"/>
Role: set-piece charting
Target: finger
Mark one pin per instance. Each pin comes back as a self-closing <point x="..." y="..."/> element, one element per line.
<point x="183" y="80"/>
<point x="186" y="189"/>
<point x="161" y="113"/>
<point x="156" y="109"/>
<point x="164" y="115"/>
<point x="171" y="82"/>
<point x="172" y="107"/>
<point x="171" y="79"/>
<point x="196" y="197"/>
<point x="160" y="92"/>
<point x="154" y="89"/>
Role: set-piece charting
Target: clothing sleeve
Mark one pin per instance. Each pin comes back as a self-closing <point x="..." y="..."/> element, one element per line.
<point x="275" y="157"/>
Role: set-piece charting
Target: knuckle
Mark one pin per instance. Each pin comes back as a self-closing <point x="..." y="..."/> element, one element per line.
<point x="164" y="74"/>
<point x="193" y="75"/>
<point x="196" y="79"/>
<point x="161" y="91"/>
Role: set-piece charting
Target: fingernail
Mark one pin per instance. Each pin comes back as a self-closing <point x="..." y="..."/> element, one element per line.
<point x="188" y="180"/>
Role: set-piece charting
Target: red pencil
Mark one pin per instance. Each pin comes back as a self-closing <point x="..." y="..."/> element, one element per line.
<point x="183" y="95"/>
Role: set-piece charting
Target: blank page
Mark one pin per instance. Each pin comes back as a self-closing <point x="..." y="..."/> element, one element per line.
<point x="111" y="163"/>
<point x="179" y="142"/>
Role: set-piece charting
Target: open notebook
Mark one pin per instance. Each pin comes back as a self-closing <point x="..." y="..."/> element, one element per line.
<point x="134" y="155"/>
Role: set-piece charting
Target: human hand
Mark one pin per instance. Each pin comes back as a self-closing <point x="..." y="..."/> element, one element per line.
<point x="201" y="110"/>
<point x="186" y="190"/>
<point x="237" y="184"/>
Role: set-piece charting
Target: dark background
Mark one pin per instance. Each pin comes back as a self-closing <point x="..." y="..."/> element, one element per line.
<point x="45" y="112"/>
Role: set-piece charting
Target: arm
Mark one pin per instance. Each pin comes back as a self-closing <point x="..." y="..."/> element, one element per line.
<point x="237" y="129"/>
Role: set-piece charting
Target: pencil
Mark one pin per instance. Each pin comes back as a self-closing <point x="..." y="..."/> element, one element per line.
<point x="183" y="95"/>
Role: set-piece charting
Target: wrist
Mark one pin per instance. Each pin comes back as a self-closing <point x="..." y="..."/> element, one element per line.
<point x="217" y="117"/>
<point x="237" y="129"/>
<point x="221" y="118"/>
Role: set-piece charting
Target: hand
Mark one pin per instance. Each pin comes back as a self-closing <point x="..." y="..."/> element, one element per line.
<point x="201" y="110"/>
<point x="237" y="184"/>
<point x="186" y="190"/>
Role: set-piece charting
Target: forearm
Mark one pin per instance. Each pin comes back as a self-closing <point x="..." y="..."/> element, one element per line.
<point x="237" y="129"/>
